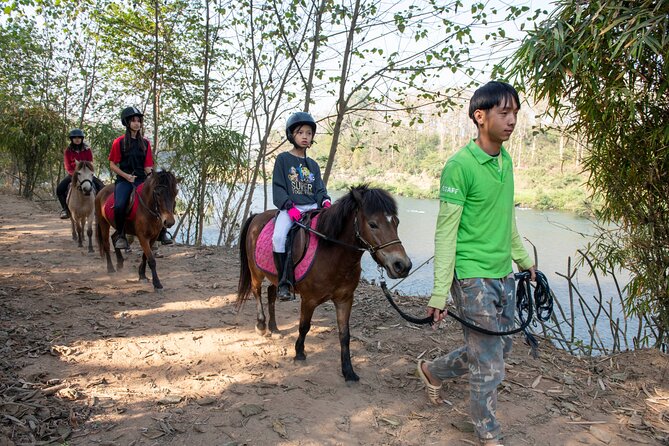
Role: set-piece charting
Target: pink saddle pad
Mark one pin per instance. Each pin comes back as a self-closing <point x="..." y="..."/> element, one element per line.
<point x="265" y="259"/>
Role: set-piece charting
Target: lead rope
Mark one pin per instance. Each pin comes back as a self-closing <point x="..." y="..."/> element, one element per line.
<point x="541" y="300"/>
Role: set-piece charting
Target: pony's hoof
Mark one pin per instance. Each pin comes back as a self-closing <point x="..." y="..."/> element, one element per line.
<point x="111" y="270"/>
<point x="352" y="378"/>
<point x="91" y="250"/>
<point x="158" y="286"/>
<point x="300" y="357"/>
<point x="144" y="280"/>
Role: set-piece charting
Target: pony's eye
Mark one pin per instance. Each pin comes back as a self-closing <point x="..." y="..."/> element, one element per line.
<point x="373" y="225"/>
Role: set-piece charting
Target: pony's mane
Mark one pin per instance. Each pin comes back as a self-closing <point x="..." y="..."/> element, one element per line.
<point x="162" y="179"/>
<point x="332" y="221"/>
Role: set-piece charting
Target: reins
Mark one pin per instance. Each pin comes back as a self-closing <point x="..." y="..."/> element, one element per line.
<point x="368" y="247"/>
<point x="141" y="201"/>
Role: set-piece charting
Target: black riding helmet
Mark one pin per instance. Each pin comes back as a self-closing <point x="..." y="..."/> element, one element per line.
<point x="128" y="113"/>
<point x="297" y="119"/>
<point x="76" y="133"/>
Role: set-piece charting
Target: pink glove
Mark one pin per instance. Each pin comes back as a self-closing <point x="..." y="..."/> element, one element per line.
<point x="294" y="214"/>
<point x="326" y="204"/>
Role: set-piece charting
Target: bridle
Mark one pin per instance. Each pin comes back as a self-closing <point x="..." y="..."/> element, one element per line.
<point x="368" y="246"/>
<point x="75" y="178"/>
<point x="81" y="183"/>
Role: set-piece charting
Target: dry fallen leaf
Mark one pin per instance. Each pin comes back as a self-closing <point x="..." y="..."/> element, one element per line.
<point x="279" y="428"/>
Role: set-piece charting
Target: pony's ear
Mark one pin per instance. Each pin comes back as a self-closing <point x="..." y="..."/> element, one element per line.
<point x="356" y="193"/>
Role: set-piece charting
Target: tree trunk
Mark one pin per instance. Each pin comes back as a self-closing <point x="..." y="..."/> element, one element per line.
<point x="314" y="55"/>
<point x="204" y="164"/>
<point x="156" y="64"/>
<point x="342" y="101"/>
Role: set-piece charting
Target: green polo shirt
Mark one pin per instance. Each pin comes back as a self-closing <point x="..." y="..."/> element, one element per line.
<point x="483" y="186"/>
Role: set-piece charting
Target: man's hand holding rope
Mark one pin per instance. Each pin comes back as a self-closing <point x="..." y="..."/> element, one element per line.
<point x="437" y="316"/>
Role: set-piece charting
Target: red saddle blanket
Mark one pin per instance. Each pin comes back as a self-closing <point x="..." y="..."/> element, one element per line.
<point x="109" y="205"/>
<point x="265" y="259"/>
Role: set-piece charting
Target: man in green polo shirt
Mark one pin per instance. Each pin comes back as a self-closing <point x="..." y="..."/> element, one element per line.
<point x="476" y="239"/>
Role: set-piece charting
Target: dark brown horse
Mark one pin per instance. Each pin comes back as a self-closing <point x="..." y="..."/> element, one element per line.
<point x="154" y="210"/>
<point x="363" y="220"/>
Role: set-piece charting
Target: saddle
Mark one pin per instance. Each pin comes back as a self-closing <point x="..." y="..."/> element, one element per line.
<point x="130" y="210"/>
<point x="302" y="246"/>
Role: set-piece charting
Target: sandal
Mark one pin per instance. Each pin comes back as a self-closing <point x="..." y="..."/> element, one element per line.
<point x="433" y="392"/>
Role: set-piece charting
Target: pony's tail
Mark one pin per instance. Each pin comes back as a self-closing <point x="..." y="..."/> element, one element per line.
<point x="244" y="286"/>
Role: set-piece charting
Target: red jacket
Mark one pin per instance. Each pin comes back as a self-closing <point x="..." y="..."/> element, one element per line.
<point x="72" y="156"/>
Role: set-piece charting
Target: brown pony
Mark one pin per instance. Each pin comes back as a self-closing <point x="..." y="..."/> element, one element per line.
<point x="363" y="220"/>
<point x="155" y="210"/>
<point x="81" y="203"/>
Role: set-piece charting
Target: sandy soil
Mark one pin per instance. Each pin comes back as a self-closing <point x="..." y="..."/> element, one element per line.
<point x="88" y="358"/>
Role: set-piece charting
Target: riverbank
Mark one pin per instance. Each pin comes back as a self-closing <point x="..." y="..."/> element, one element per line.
<point x="92" y="358"/>
<point x="536" y="188"/>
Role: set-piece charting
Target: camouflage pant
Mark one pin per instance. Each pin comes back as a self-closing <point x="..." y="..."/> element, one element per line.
<point x="489" y="303"/>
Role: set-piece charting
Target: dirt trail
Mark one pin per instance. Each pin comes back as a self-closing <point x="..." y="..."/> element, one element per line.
<point x="101" y="359"/>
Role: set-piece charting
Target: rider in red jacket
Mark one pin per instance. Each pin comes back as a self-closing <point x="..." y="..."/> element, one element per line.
<point x="76" y="151"/>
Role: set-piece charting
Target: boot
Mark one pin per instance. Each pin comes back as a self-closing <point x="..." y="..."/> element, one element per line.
<point x="64" y="214"/>
<point x="120" y="242"/>
<point x="165" y="237"/>
<point x="282" y="271"/>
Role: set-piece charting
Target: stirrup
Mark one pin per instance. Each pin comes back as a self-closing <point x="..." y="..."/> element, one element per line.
<point x="284" y="294"/>
<point x="121" y="242"/>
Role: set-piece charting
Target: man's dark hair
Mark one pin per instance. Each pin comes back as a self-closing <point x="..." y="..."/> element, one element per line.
<point x="491" y="94"/>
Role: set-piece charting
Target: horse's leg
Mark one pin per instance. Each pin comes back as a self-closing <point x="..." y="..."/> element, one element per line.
<point x="261" y="321"/>
<point x="80" y="232"/>
<point x="142" y="269"/>
<point x="271" y="301"/>
<point x="262" y="324"/>
<point x="103" y="227"/>
<point x="343" y="315"/>
<point x="119" y="258"/>
<point x="89" y="232"/>
<point x="306" y="312"/>
<point x="74" y="227"/>
<point x="146" y="247"/>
